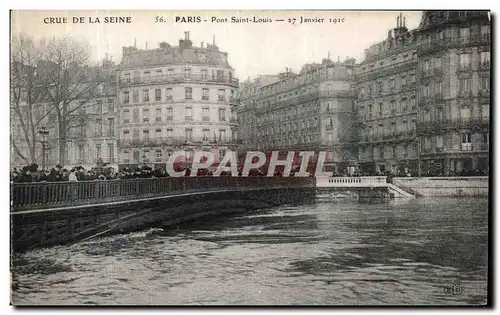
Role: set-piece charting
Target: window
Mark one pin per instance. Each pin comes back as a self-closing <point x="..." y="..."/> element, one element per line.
<point x="98" y="107"/>
<point x="98" y="131"/>
<point x="412" y="78"/>
<point x="222" y="114"/>
<point x="137" y="155"/>
<point x="485" y="30"/>
<point x="127" y="77"/>
<point x="145" y="135"/>
<point x="403" y="80"/>
<point x="135" y="117"/>
<point x="145" y="115"/>
<point x="222" y="135"/>
<point x="168" y="96"/>
<point x="221" y="93"/>
<point x="465" y="86"/>
<point x="111" y="127"/>
<point x="464" y="34"/>
<point x="485" y="111"/>
<point x="135" y="95"/>
<point x="189" y="113"/>
<point x="187" y="73"/>
<point x="485" y="84"/>
<point x="126" y="98"/>
<point x="465" y="113"/>
<point x="170" y="113"/>
<point x="404" y="104"/>
<point x="145" y="95"/>
<point x="380" y="108"/>
<point x="206" y="133"/>
<point x="188" y="93"/>
<point x="204" y="74"/>
<point x="439" y="114"/>
<point x="392" y="84"/>
<point x="188" y="134"/>
<point x="438" y="89"/>
<point x="158" y="154"/>
<point x="220" y="75"/>
<point x="437" y="63"/>
<point x="464" y="60"/>
<point x="98" y="150"/>
<point x="157" y="95"/>
<point x="466" y="142"/>
<point x="126" y="116"/>
<point x="205" y="114"/>
<point x="439" y="142"/>
<point x="426" y="65"/>
<point x="204" y="94"/>
<point x="485" y="58"/>
<point x="440" y="35"/>
<point x="111" y="152"/>
<point x="111" y="105"/>
<point x="158" y="114"/>
<point x="485" y="141"/>
<point x="81" y="151"/>
<point x="170" y="132"/>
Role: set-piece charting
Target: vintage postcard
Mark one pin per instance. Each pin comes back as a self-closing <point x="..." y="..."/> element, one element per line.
<point x="250" y="157"/>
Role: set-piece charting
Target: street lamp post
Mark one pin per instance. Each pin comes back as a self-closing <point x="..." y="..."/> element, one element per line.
<point x="44" y="133"/>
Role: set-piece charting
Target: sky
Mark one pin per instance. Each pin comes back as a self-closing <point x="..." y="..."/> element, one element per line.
<point x="253" y="48"/>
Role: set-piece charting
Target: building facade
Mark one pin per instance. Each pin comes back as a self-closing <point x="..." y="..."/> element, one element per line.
<point x="174" y="98"/>
<point x="454" y="91"/>
<point x="312" y="110"/>
<point x="386" y="104"/>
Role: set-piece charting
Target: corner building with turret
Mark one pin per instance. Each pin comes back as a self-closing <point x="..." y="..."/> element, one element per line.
<point x="423" y="97"/>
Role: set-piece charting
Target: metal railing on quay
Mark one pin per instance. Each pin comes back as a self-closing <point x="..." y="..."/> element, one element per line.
<point x="58" y="194"/>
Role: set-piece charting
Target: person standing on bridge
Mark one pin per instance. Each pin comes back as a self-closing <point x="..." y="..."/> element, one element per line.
<point x="72" y="176"/>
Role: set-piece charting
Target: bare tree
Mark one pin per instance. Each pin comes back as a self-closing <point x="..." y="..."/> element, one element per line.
<point x="71" y="86"/>
<point x="26" y="99"/>
<point x="53" y="77"/>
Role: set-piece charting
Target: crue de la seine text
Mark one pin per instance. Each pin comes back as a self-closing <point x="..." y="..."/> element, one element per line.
<point x="88" y="19"/>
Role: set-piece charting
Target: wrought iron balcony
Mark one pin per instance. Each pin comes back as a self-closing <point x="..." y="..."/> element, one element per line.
<point x="178" y="78"/>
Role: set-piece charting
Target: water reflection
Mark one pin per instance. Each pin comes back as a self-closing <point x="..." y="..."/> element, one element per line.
<point x="343" y="252"/>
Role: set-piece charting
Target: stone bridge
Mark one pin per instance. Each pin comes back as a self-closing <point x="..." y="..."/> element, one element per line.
<point x="45" y="214"/>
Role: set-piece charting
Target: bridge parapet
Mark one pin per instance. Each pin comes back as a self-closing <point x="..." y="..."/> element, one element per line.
<point x="62" y="194"/>
<point x="361" y="181"/>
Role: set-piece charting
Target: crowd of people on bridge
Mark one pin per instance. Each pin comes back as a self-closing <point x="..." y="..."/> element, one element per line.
<point x="33" y="173"/>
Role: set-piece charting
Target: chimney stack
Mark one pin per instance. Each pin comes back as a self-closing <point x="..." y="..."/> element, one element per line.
<point x="202" y="44"/>
<point x="186" y="35"/>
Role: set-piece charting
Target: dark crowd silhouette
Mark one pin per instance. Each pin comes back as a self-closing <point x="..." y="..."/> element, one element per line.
<point x="33" y="173"/>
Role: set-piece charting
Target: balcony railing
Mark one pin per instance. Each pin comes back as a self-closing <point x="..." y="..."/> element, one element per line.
<point x="179" y="78"/>
<point x="175" y="141"/>
<point x="61" y="194"/>
<point x="447" y="42"/>
<point x="453" y="123"/>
